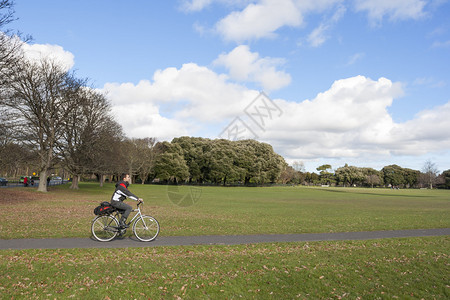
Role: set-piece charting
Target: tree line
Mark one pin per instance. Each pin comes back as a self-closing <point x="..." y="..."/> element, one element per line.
<point x="392" y="176"/>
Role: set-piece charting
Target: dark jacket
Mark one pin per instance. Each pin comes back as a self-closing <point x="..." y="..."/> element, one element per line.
<point x="122" y="192"/>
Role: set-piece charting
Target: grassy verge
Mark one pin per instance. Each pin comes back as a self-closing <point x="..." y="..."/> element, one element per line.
<point x="411" y="268"/>
<point x="62" y="212"/>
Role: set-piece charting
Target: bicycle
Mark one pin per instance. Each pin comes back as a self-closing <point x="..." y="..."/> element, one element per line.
<point x="105" y="228"/>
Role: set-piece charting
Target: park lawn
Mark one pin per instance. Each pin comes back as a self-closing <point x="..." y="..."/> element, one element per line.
<point x="406" y="268"/>
<point x="411" y="268"/>
<point x="193" y="210"/>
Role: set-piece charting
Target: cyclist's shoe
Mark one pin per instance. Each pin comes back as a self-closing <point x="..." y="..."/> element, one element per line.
<point x="123" y="223"/>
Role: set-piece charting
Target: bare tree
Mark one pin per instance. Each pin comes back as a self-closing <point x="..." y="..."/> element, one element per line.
<point x="108" y="156"/>
<point x="148" y="154"/>
<point x="39" y="98"/>
<point x="89" y="136"/>
<point x="299" y="166"/>
<point x="6" y="12"/>
<point x="10" y="42"/>
<point x="10" y="52"/>
<point x="140" y="156"/>
<point x="430" y="173"/>
<point x="287" y="174"/>
<point x="77" y="145"/>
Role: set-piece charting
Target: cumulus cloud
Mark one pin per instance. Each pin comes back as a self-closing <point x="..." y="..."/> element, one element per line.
<point x="244" y="65"/>
<point x="36" y="52"/>
<point x="259" y="20"/>
<point x="394" y="10"/>
<point x="351" y="119"/>
<point x="182" y="98"/>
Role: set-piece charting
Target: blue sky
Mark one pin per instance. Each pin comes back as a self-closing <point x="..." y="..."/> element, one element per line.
<point x="362" y="82"/>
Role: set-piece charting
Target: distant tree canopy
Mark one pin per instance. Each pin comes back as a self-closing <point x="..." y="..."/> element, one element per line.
<point x="217" y="161"/>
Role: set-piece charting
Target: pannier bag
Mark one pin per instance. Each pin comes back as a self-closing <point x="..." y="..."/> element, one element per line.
<point x="105" y="208"/>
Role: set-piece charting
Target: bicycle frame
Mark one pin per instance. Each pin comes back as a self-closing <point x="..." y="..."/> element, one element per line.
<point x="135" y="217"/>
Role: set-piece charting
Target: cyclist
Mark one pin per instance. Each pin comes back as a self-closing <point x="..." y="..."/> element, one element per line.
<point x="120" y="194"/>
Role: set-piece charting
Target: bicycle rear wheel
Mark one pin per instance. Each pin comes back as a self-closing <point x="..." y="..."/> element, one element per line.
<point x="146" y="228"/>
<point x="104" y="228"/>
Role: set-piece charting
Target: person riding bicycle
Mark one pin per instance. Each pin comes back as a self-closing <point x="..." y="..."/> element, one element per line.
<point x="120" y="194"/>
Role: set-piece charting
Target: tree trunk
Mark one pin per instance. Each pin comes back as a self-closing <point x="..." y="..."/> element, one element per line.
<point x="130" y="171"/>
<point x="43" y="181"/>
<point x="102" y="179"/>
<point x="75" y="181"/>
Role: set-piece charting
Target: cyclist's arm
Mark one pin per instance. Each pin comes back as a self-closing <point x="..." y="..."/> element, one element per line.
<point x="127" y="193"/>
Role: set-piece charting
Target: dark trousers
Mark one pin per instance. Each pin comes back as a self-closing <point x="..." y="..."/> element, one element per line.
<point x="124" y="208"/>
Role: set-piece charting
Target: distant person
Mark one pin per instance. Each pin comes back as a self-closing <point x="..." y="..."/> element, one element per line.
<point x="25" y="181"/>
<point x="48" y="181"/>
<point x="120" y="194"/>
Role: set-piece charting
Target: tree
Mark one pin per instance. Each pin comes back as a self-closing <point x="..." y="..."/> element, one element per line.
<point x="39" y="98"/>
<point x="311" y="178"/>
<point x="6" y="12"/>
<point x="82" y="137"/>
<point x="10" y="54"/>
<point x="195" y="153"/>
<point x="170" y="164"/>
<point x="372" y="177"/>
<point x="393" y="175"/>
<point x="446" y="179"/>
<point x="349" y="175"/>
<point x="430" y="173"/>
<point x="148" y="153"/>
<point x="108" y="156"/>
<point x="299" y="166"/>
<point x="325" y="174"/>
<point x="287" y="175"/>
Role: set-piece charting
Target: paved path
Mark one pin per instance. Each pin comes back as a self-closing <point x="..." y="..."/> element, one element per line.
<point x="216" y="239"/>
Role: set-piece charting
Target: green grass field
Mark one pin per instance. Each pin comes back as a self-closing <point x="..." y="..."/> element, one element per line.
<point x="412" y="268"/>
<point x="218" y="210"/>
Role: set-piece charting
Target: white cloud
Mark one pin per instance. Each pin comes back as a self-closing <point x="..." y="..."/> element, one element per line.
<point x="195" y="5"/>
<point x="394" y="10"/>
<point x="244" y="65"/>
<point x="56" y="53"/>
<point x="259" y="20"/>
<point x="355" y="58"/>
<point x="198" y="5"/>
<point x="429" y="82"/>
<point x="263" y="18"/>
<point x="351" y="119"/>
<point x="182" y="99"/>
<point x="438" y="44"/>
<point x="319" y="35"/>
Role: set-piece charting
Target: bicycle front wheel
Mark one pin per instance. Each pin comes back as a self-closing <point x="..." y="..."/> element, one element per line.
<point x="146" y="228"/>
<point x="104" y="228"/>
